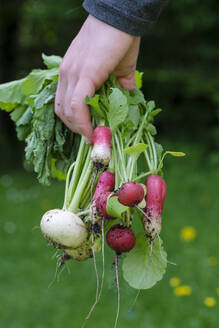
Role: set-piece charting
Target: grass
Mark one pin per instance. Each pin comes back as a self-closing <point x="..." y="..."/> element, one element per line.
<point x="27" y="265"/>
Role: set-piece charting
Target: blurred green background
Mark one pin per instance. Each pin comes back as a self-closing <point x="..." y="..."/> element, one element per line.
<point x="179" y="58"/>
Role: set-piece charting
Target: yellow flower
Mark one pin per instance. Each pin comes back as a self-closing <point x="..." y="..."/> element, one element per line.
<point x="210" y="301"/>
<point x="212" y="261"/>
<point x="218" y="290"/>
<point x="188" y="233"/>
<point x="183" y="290"/>
<point x="174" y="282"/>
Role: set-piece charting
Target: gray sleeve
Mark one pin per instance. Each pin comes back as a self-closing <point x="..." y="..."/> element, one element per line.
<point x="131" y="16"/>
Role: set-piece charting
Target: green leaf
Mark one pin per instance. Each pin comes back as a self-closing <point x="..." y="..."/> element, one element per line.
<point x="135" y="150"/>
<point x="159" y="150"/>
<point x="23" y="131"/>
<point x="26" y="117"/>
<point x="114" y="208"/>
<point x="156" y="112"/>
<point x="150" y="105"/>
<point x="95" y="107"/>
<point x="17" y="113"/>
<point x="51" y="61"/>
<point x="46" y="95"/>
<point x="137" y="270"/>
<point x="118" y="108"/>
<point x="35" y="80"/>
<point x="11" y="95"/>
<point x="175" y="153"/>
<point x="151" y="128"/>
<point x="135" y="97"/>
<point x="55" y="172"/>
<point x="138" y="79"/>
<point x="133" y="116"/>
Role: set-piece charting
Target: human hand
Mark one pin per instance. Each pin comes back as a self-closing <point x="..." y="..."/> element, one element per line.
<point x="97" y="51"/>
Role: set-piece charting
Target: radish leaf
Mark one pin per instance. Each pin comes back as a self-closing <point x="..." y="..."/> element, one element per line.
<point x="137" y="270"/>
<point x="114" y="208"/>
<point x="118" y="108"/>
<point x="135" y="150"/>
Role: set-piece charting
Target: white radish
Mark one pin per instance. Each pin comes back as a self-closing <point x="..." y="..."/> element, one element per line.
<point x="63" y="228"/>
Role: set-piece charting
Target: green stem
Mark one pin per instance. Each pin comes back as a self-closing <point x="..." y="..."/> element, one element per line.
<point x="85" y="212"/>
<point x="145" y="174"/>
<point x="77" y="170"/>
<point x="153" y="150"/>
<point x="66" y="200"/>
<point x="84" y="178"/>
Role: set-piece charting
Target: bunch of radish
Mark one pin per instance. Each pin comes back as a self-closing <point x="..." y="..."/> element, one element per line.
<point x="105" y="192"/>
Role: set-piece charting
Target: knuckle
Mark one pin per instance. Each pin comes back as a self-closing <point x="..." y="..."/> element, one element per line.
<point x="63" y="69"/>
<point x="74" y="103"/>
<point x="68" y="116"/>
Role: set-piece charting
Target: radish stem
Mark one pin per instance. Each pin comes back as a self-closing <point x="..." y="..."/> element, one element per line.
<point x="118" y="290"/>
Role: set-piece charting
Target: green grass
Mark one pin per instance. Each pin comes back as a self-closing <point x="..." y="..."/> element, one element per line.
<point x="27" y="265"/>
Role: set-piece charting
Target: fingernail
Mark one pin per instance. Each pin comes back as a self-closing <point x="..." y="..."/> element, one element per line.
<point x="86" y="140"/>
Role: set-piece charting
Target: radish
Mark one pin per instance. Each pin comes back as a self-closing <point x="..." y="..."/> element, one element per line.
<point x="100" y="204"/>
<point x="156" y="192"/>
<point x="131" y="193"/>
<point x="80" y="253"/>
<point x="106" y="182"/>
<point x="100" y="154"/>
<point x="63" y="229"/>
<point x="120" y="239"/>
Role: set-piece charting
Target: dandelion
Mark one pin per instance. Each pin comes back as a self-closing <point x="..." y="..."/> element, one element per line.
<point x="217" y="290"/>
<point x="212" y="261"/>
<point x="188" y="233"/>
<point x="210" y="301"/>
<point x="174" y="282"/>
<point x="183" y="290"/>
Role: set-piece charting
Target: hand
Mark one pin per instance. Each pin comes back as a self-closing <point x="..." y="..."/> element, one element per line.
<point x="97" y="51"/>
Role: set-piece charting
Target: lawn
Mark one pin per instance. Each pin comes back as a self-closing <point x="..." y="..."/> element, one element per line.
<point x="190" y="234"/>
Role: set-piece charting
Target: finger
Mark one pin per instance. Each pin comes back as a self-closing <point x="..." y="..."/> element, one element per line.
<point x="76" y="112"/>
<point x="128" y="82"/>
<point x="60" y="93"/>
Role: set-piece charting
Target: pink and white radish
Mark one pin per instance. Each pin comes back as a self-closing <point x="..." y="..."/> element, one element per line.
<point x="156" y="192"/>
<point x="131" y="194"/>
<point x="63" y="229"/>
<point x="100" y="154"/>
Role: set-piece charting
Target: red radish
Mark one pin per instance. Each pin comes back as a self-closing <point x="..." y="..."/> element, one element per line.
<point x="120" y="239"/>
<point x="106" y="182"/>
<point x="101" y="202"/>
<point x="130" y="193"/>
<point x="156" y="192"/>
<point x="102" y="137"/>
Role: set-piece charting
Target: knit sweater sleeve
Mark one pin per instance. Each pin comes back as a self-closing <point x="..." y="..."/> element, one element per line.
<point x="131" y="16"/>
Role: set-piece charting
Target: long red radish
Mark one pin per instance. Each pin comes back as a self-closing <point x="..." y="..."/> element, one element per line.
<point x="156" y="192"/>
<point x="106" y="182"/>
